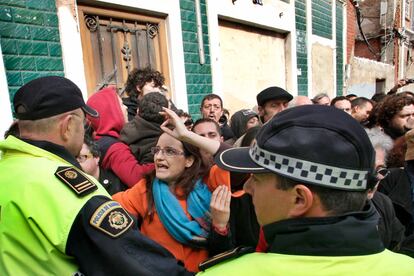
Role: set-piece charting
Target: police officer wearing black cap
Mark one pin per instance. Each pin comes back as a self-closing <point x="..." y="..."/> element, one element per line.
<point x="311" y="167"/>
<point x="271" y="101"/>
<point x="54" y="218"/>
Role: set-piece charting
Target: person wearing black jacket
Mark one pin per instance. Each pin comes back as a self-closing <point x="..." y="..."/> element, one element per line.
<point x="389" y="227"/>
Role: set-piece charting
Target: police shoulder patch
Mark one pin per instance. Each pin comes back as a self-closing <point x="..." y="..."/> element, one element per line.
<point x="230" y="254"/>
<point x="76" y="180"/>
<point x="111" y="219"/>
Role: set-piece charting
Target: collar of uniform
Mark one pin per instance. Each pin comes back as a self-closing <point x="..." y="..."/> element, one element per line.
<point x="55" y="149"/>
<point x="346" y="235"/>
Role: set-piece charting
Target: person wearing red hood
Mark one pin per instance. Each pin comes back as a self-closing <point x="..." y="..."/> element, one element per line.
<point x="116" y="155"/>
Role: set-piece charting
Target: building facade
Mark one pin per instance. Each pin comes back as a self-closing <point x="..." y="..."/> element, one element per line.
<point x="379" y="45"/>
<point x="234" y="48"/>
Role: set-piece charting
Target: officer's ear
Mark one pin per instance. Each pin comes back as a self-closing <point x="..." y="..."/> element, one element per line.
<point x="66" y="126"/>
<point x="304" y="201"/>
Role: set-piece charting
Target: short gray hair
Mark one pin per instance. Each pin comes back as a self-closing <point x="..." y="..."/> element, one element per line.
<point x="318" y="97"/>
<point x="379" y="139"/>
<point x="43" y="125"/>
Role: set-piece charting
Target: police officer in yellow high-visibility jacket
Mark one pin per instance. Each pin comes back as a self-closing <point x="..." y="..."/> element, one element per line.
<point x="55" y="219"/>
<point x="312" y="167"/>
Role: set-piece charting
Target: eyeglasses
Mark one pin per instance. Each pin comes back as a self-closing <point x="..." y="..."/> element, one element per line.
<point x="188" y="122"/>
<point x="83" y="157"/>
<point x="168" y="151"/>
<point x="214" y="106"/>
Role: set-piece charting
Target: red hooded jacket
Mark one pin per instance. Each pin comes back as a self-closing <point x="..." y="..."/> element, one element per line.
<point x="118" y="157"/>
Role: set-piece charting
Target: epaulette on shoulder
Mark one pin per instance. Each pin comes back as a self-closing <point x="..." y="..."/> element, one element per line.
<point x="230" y="254"/>
<point x="76" y="180"/>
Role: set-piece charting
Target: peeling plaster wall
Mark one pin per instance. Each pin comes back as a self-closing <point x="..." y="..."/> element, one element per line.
<point x="322" y="70"/>
<point x="365" y="72"/>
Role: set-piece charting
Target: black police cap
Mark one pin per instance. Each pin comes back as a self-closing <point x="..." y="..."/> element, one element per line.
<point x="49" y="96"/>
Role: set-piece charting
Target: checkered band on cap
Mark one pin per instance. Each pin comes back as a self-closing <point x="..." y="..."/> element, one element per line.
<point x="316" y="173"/>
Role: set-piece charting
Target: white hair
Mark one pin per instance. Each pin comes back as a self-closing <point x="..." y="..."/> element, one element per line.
<point x="379" y="139"/>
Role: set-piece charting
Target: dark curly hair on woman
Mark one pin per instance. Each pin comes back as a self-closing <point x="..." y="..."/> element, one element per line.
<point x="139" y="77"/>
<point x="391" y="106"/>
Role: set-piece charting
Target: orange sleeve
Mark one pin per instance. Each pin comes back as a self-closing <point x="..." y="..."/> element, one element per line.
<point x="134" y="199"/>
<point x="217" y="177"/>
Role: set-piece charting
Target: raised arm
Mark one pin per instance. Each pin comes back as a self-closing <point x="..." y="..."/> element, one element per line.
<point x="175" y="127"/>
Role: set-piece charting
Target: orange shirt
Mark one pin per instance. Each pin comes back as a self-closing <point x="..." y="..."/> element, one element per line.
<point x="134" y="200"/>
<point x="217" y="177"/>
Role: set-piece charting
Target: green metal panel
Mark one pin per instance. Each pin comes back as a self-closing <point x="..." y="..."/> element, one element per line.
<point x="198" y="77"/>
<point x="322" y="18"/>
<point x="29" y="38"/>
<point x="301" y="47"/>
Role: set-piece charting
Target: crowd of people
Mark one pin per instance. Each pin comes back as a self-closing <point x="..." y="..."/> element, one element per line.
<point x="129" y="184"/>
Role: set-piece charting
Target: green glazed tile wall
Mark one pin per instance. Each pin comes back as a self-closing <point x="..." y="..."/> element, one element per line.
<point x="322" y="18"/>
<point x="198" y="77"/>
<point x="301" y="47"/>
<point x="29" y="38"/>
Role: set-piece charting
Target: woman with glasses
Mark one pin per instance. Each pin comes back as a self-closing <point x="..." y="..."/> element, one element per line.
<point x="176" y="208"/>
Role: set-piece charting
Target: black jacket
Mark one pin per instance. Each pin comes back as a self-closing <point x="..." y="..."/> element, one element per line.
<point x="141" y="135"/>
<point x="226" y="131"/>
<point x="111" y="182"/>
<point x="243" y="221"/>
<point x="346" y="235"/>
<point x="390" y="228"/>
<point x="397" y="187"/>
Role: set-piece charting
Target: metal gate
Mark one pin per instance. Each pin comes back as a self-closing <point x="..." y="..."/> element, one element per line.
<point x="116" y="42"/>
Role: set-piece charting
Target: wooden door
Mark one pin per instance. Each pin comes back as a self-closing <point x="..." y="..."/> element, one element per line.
<point x="115" y="42"/>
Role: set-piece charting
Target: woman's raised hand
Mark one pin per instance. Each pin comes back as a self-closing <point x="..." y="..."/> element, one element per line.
<point x="173" y="125"/>
<point x="220" y="207"/>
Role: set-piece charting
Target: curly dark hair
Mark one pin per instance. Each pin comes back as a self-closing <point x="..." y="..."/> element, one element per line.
<point x="139" y="77"/>
<point x="391" y="106"/>
<point x="186" y="180"/>
<point x="150" y="107"/>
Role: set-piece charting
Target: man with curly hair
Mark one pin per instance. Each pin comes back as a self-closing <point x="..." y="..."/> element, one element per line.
<point x="139" y="83"/>
<point x="396" y="115"/>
